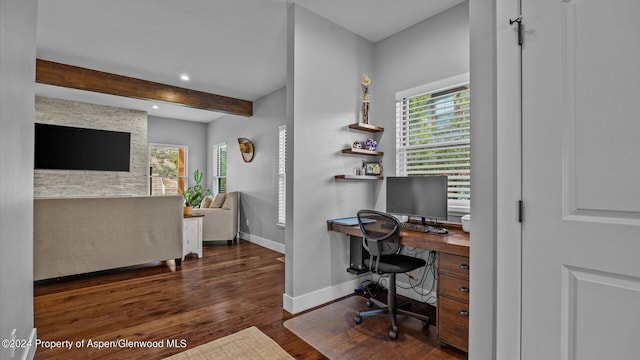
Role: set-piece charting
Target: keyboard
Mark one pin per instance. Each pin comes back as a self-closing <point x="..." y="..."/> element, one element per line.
<point x="423" y="228"/>
<point x="415" y="227"/>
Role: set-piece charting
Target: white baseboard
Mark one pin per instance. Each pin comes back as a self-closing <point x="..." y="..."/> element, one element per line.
<point x="318" y="297"/>
<point x="269" y="244"/>
<point x="330" y="293"/>
<point x="29" y="352"/>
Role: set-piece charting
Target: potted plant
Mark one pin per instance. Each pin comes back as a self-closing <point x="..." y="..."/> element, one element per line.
<point x="194" y="195"/>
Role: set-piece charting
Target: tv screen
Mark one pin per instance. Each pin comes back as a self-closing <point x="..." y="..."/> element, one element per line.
<point x="423" y="196"/>
<point x="71" y="148"/>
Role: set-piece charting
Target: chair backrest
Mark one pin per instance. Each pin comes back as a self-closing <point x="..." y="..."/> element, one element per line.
<point x="380" y="229"/>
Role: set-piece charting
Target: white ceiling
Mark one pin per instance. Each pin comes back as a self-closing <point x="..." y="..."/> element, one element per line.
<point x="234" y="48"/>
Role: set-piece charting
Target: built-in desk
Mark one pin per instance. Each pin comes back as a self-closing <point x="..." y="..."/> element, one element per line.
<point x="452" y="251"/>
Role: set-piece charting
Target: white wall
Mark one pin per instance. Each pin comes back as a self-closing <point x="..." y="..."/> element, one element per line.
<point x="17" y="74"/>
<point x="434" y="49"/>
<point x="325" y="63"/>
<point x="179" y="132"/>
<point x="482" y="312"/>
<point x="257" y="180"/>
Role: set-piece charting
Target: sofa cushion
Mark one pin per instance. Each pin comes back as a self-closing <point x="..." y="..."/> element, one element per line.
<point x="206" y="202"/>
<point x="218" y="201"/>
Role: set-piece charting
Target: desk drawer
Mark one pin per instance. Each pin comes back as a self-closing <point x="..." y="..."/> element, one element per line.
<point x="453" y="323"/>
<point x="453" y="287"/>
<point x="453" y="264"/>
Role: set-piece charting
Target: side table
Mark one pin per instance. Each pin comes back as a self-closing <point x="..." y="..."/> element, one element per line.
<point x="192" y="235"/>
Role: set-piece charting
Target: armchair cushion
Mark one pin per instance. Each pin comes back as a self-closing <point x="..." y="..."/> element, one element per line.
<point x="206" y="202"/>
<point x="218" y="201"/>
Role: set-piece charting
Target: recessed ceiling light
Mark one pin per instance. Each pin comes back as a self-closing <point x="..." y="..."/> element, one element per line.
<point x="184" y="77"/>
<point x="155" y="106"/>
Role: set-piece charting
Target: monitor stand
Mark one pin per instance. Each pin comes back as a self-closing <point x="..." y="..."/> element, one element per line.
<point x="434" y="223"/>
<point x="433" y="227"/>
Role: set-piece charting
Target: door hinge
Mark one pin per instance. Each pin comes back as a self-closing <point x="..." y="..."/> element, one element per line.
<point x="520" y="211"/>
<point x="518" y="20"/>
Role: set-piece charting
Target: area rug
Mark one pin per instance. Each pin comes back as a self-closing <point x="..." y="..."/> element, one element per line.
<point x="249" y="344"/>
<point x="332" y="331"/>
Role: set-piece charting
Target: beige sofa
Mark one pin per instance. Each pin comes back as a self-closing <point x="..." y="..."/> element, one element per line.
<point x="80" y="235"/>
<point x="221" y="223"/>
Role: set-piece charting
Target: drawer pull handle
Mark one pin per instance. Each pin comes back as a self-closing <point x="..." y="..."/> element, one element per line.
<point x="463" y="313"/>
<point x="464" y="266"/>
<point x="464" y="289"/>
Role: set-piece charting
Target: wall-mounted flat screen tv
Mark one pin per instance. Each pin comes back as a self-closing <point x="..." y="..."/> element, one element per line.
<point x="71" y="148"/>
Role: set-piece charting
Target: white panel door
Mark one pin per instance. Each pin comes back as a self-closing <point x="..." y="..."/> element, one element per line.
<point x="581" y="179"/>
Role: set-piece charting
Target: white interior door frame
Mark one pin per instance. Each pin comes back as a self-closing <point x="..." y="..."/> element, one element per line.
<point x="509" y="175"/>
<point x="494" y="328"/>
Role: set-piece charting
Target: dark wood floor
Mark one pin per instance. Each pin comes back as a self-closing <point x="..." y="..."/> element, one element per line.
<point x="229" y="289"/>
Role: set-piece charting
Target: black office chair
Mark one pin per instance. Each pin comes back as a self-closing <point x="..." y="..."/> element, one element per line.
<point x="381" y="238"/>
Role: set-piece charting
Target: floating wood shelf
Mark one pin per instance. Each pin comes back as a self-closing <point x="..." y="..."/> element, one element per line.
<point x="359" y="177"/>
<point x="362" y="152"/>
<point x="366" y="127"/>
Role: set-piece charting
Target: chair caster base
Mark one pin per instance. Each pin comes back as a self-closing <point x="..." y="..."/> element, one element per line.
<point x="393" y="334"/>
<point x="358" y="319"/>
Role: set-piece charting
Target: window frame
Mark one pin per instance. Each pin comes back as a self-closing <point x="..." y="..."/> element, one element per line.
<point x="455" y="206"/>
<point x="282" y="176"/>
<point x="185" y="177"/>
<point x="215" y="185"/>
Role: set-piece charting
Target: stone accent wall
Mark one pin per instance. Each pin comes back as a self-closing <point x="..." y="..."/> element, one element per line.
<point x="79" y="183"/>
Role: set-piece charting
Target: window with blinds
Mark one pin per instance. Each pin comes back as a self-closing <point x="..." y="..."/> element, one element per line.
<point x="433" y="136"/>
<point x="282" y="175"/>
<point x="219" y="168"/>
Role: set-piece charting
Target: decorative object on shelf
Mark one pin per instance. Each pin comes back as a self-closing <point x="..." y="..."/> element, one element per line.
<point x="357" y="145"/>
<point x="194" y="195"/>
<point x="373" y="168"/>
<point x="366" y="81"/>
<point x="246" y="149"/>
<point x="370" y="144"/>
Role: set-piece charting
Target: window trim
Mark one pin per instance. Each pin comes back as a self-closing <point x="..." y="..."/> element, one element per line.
<point x="454" y="206"/>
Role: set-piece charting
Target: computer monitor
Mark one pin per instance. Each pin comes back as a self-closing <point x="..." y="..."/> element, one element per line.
<point x="419" y="196"/>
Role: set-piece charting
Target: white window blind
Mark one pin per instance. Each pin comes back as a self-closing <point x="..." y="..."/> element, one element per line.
<point x="282" y="175"/>
<point x="433" y="137"/>
<point x="220" y="168"/>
